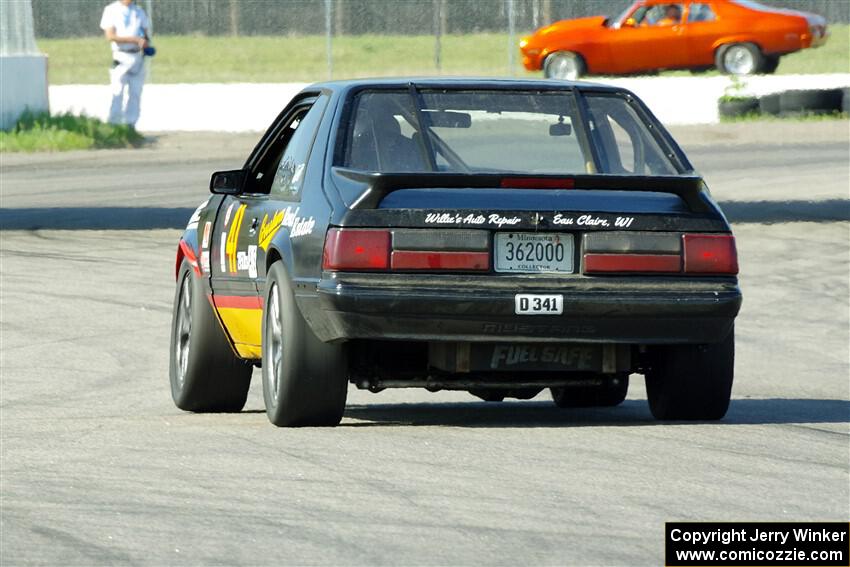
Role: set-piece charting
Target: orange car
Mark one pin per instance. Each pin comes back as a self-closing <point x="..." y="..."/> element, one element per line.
<point x="740" y="37"/>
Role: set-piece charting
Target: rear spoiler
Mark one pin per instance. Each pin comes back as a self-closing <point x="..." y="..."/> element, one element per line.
<point x="372" y="187"/>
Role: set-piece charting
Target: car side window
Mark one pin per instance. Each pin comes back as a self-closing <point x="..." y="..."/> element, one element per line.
<point x="289" y="172"/>
<point x="625" y="143"/>
<point x="662" y="15"/>
<point x="625" y="146"/>
<point x="638" y="15"/>
<point x="701" y="13"/>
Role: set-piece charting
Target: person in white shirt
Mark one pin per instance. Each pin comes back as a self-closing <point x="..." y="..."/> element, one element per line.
<point x="127" y="27"/>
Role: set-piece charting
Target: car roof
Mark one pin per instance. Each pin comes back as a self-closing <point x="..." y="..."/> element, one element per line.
<point x="458" y="82"/>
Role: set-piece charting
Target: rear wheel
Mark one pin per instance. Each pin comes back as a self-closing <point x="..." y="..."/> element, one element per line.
<point x="739" y="59"/>
<point x="205" y="374"/>
<point x="692" y="382"/>
<point x="304" y="379"/>
<point x="611" y="391"/>
<point x="564" y="65"/>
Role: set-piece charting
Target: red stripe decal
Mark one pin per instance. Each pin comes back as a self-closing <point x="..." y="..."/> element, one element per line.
<point x="190" y="256"/>
<point x="238" y="302"/>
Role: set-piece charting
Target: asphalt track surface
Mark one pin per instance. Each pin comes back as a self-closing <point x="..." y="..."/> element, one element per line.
<point x="98" y="467"/>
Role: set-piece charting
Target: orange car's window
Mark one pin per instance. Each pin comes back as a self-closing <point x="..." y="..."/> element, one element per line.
<point x="662" y="15"/>
<point x="623" y="140"/>
<point x="700" y="13"/>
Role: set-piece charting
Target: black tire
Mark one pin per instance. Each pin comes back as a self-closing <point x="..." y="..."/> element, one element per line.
<point x="769" y="104"/>
<point x="816" y="101"/>
<point x="564" y="65"/>
<point x="611" y="392"/>
<point x="738" y="107"/>
<point x="307" y="384"/>
<point x="770" y="64"/>
<point x="205" y="374"/>
<point x="692" y="382"/>
<point x="739" y="59"/>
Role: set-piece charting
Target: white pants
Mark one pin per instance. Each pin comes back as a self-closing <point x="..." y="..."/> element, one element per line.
<point x="126" y="79"/>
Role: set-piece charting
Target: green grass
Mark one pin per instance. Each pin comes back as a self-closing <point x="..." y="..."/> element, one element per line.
<point x="258" y="59"/>
<point x="261" y="59"/>
<point x="42" y="132"/>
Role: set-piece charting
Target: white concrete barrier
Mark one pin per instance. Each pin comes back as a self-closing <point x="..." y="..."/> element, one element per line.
<point x="245" y="107"/>
<point x="231" y="107"/>
<point x="23" y="86"/>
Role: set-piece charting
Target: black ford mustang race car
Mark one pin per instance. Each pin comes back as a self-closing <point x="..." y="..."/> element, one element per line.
<point x="494" y="236"/>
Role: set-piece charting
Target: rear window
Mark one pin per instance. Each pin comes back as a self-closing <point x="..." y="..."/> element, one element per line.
<point x="625" y="145"/>
<point x="486" y="131"/>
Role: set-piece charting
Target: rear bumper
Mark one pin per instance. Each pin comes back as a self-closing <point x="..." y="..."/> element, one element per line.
<point x="457" y="308"/>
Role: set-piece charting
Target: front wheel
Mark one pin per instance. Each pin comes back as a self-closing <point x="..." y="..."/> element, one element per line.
<point x="205" y="374"/>
<point x="692" y="382"/>
<point x="564" y="65"/>
<point x="304" y="379"/>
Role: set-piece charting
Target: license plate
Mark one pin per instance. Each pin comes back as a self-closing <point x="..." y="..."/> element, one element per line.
<point x="538" y="304"/>
<point x="536" y="253"/>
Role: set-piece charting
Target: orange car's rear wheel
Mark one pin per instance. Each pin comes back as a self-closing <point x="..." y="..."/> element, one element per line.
<point x="740" y="59"/>
<point x="564" y="65"/>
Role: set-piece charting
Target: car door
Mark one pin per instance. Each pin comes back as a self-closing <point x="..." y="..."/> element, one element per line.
<point x="703" y="29"/>
<point x="646" y="41"/>
<point x="247" y="222"/>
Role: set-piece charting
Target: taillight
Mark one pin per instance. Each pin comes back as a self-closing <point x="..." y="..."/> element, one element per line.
<point x="655" y="263"/>
<point x="355" y="249"/>
<point x="635" y="252"/>
<point x="427" y="260"/>
<point x="350" y="249"/>
<point x="710" y="254"/>
<point x="659" y="253"/>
